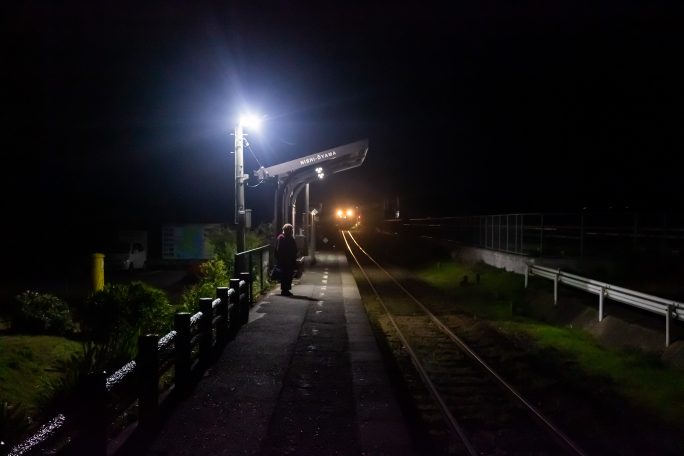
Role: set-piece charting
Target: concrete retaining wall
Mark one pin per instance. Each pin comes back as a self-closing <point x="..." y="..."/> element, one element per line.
<point x="516" y="263"/>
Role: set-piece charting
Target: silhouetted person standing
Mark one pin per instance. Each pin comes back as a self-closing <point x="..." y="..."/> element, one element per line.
<point x="286" y="258"/>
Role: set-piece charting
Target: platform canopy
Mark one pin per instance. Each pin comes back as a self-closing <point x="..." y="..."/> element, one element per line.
<point x="293" y="175"/>
<point x="335" y="160"/>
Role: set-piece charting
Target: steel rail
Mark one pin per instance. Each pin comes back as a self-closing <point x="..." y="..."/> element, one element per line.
<point x="549" y="425"/>
<point x="455" y="426"/>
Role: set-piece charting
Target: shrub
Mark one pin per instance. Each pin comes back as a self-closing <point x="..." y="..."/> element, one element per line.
<point x="115" y="316"/>
<point x="224" y="242"/>
<point x="212" y="274"/>
<point x="42" y="313"/>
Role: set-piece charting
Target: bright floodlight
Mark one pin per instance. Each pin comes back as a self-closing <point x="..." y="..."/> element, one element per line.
<point x="340" y="213"/>
<point x="250" y="121"/>
<point x="350" y="212"/>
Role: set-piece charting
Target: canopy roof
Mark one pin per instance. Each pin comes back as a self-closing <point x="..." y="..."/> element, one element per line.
<point x="335" y="160"/>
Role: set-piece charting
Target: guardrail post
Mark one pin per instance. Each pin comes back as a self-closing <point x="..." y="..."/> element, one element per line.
<point x="602" y="293"/>
<point x="668" y="319"/>
<point x="247" y="277"/>
<point x="527" y="274"/>
<point x="95" y="422"/>
<point x="181" y="323"/>
<point x="235" y="309"/>
<point x="555" y="288"/>
<point x="222" y="328"/>
<point x="148" y="381"/>
<point x="206" y="333"/>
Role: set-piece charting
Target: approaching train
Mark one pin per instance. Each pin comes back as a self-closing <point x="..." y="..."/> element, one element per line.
<point x="347" y="218"/>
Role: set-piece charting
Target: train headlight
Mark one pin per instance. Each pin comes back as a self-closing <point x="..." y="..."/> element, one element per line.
<point x="340" y="213"/>
<point x="350" y="212"/>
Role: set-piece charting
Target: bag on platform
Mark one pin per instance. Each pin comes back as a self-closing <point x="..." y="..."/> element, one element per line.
<point x="276" y="273"/>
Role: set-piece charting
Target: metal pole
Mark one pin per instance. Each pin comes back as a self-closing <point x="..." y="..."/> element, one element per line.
<point x="507" y="249"/>
<point x="601" y="296"/>
<point x="276" y="225"/>
<point x="498" y="247"/>
<point x="239" y="190"/>
<point x="515" y="243"/>
<point x="312" y="240"/>
<point x="307" y="235"/>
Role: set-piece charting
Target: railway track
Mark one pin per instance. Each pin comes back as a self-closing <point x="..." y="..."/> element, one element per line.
<point x="484" y="415"/>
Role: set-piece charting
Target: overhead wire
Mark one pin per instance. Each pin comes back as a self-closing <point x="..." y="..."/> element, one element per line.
<point x="249" y="147"/>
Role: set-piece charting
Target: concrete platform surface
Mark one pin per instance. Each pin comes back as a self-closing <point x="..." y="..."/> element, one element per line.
<point x="303" y="377"/>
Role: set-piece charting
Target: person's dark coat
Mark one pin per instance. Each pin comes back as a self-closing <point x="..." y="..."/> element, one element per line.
<point x="286" y="252"/>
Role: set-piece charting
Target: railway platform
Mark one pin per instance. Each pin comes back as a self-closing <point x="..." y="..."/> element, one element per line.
<point x="303" y="377"/>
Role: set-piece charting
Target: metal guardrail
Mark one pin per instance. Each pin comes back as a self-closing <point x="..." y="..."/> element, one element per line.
<point x="187" y="350"/>
<point x="256" y="262"/>
<point x="671" y="310"/>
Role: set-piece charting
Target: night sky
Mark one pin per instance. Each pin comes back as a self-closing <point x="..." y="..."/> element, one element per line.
<point x="122" y="114"/>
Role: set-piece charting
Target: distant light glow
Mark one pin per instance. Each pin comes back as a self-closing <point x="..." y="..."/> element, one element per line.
<point x="340" y="212"/>
<point x="319" y="170"/>
<point x="350" y="212"/>
<point x="250" y="121"/>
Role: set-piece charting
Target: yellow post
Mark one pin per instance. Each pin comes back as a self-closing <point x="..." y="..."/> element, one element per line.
<point x="98" y="271"/>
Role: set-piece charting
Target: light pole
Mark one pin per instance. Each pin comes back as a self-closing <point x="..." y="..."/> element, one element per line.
<point x="240" y="178"/>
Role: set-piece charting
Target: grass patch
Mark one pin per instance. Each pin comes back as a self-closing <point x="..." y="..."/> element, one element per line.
<point x="495" y="297"/>
<point x="27" y="364"/>
<point x="500" y="296"/>
<point x="636" y="375"/>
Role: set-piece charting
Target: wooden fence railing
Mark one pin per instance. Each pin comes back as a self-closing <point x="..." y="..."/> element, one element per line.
<point x="126" y="406"/>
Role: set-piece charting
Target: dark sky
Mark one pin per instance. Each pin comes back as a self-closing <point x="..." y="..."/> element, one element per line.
<point x="121" y="112"/>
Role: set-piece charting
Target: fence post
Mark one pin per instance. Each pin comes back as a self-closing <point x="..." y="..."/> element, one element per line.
<point x="602" y="294"/>
<point x="206" y="333"/>
<point x="148" y="381"/>
<point x="498" y="247"/>
<point x="527" y="274"/>
<point x="555" y="288"/>
<point x="181" y="324"/>
<point x="522" y="233"/>
<point x="515" y="242"/>
<point x="222" y="328"/>
<point x="235" y="319"/>
<point x="507" y="216"/>
<point x="247" y="277"/>
<point x="95" y="422"/>
<point x="261" y="268"/>
<point x="251" y="273"/>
